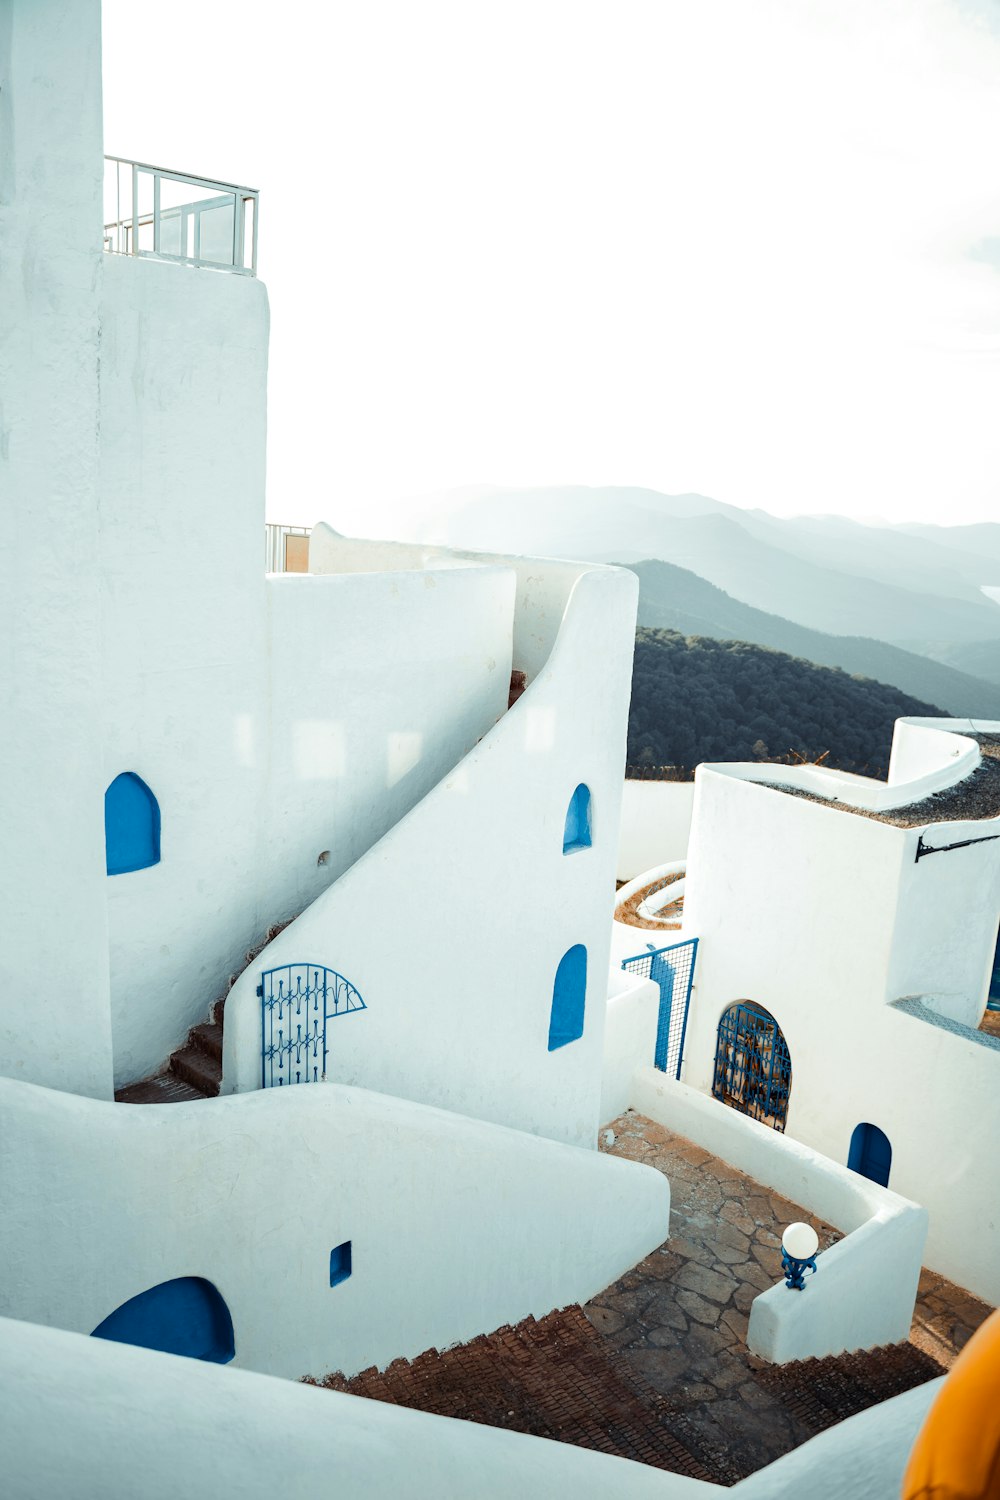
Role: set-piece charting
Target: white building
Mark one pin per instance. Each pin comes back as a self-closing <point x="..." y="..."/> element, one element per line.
<point x="199" y="759"/>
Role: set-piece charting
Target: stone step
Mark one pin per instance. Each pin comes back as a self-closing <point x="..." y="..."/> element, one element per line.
<point x="207" y="1037"/>
<point x="164" y="1088"/>
<point x="196" y="1068"/>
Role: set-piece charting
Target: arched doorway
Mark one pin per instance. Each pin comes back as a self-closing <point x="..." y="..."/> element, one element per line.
<point x="185" y="1316"/>
<point x="131" y="825"/>
<point x="753" y="1067"/>
<point x="870" y="1153"/>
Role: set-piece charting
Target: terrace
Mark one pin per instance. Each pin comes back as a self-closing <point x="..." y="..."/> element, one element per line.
<point x="175" y="216"/>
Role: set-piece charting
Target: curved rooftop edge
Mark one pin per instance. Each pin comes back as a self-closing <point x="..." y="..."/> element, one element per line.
<point x="929" y="756"/>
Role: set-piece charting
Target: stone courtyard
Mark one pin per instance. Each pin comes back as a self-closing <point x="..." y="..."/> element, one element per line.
<point x="680" y="1317"/>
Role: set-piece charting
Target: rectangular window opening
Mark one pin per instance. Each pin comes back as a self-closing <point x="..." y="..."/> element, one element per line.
<point x="340" y="1263"/>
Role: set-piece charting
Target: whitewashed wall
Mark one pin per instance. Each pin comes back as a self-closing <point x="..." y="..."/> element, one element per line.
<point x="379" y="684"/>
<point x="457" y="1227"/>
<point x="825" y="919"/>
<point x="453" y="926"/>
<point x="629" y="1038"/>
<point x="656" y="823"/>
<point x="90" y="1418"/>
<point x="183" y="418"/>
<point x="863" y="1292"/>
<point x="53" y="958"/>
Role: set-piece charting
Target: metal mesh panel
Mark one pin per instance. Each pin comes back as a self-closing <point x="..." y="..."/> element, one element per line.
<point x="672" y="970"/>
<point x="296" y="1002"/>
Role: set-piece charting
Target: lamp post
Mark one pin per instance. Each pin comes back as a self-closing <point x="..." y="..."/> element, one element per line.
<point x="799" y="1244"/>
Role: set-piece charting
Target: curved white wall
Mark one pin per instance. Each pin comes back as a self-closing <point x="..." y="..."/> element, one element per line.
<point x="457" y="1226"/>
<point x="453" y="926"/>
<point x="656" y="823"/>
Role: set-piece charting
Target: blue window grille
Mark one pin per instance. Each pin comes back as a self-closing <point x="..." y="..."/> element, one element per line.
<point x="131" y="825"/>
<point x="297" y="1003"/>
<point x="993" y="999"/>
<point x="672" y="970"/>
<point x="569" y="994"/>
<point x="340" y="1263"/>
<point x="186" y="1316"/>
<point x="577" y="833"/>
<point x="753" y="1067"/>
<point x="870" y="1153"/>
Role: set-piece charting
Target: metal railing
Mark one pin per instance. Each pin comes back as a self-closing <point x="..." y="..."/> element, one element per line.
<point x="286" y="548"/>
<point x="175" y="216"/>
<point x="672" y="969"/>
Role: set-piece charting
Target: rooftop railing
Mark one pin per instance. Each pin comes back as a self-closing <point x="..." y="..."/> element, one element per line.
<point x="174" y="216"/>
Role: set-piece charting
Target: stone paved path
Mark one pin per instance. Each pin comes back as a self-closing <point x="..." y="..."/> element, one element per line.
<point x="680" y="1317"/>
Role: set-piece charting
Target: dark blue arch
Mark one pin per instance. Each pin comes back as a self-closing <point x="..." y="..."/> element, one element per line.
<point x="131" y="825"/>
<point x="569" y="994"/>
<point x="185" y="1316"/>
<point x="870" y="1153"/>
<point x="577" y="833"/>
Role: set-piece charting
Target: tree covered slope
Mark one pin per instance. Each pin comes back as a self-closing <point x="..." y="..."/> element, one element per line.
<point x="695" y="698"/>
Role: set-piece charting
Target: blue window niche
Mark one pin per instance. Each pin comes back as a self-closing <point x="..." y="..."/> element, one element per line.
<point x="340" y="1263"/>
<point x="870" y="1153"/>
<point x="577" y="833"/>
<point x="131" y="825"/>
<point x="569" y="994"/>
<point x="186" y="1316"/>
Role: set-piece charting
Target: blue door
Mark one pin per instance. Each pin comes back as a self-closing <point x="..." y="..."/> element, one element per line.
<point x="870" y="1153"/>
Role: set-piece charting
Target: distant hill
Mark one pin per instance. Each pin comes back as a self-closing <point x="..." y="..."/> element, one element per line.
<point x="981" y="658"/>
<point x="697" y="699"/>
<point x="916" y="587"/>
<point x="673" y="598"/>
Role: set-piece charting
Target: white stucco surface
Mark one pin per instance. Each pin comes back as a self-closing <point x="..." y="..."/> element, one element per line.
<point x="826" y="919"/>
<point x="68" y="1395"/>
<point x="484" y="903"/>
<point x="54" y="953"/>
<point x="457" y="1226"/>
<point x="656" y="822"/>
<point x="863" y="1292"/>
<point x="629" y="1038"/>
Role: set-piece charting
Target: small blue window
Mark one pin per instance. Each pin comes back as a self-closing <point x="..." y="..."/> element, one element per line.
<point x="568" y="998"/>
<point x="340" y="1263"/>
<point x="870" y="1153"/>
<point x="577" y="832"/>
<point x="131" y="825"/>
<point x="186" y="1316"/>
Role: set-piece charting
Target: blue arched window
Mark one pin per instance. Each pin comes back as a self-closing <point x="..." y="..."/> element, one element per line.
<point x="569" y="995"/>
<point x="577" y="832"/>
<point x="131" y="825"/>
<point x="186" y="1316"/>
<point x="871" y="1153"/>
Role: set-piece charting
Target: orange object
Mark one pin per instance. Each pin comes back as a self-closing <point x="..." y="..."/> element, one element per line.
<point x="957" y="1452"/>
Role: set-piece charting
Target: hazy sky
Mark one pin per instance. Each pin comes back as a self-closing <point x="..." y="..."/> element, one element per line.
<point x="746" y="247"/>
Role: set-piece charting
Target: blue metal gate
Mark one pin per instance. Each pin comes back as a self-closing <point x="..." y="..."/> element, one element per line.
<point x="296" y="1002"/>
<point x="672" y="969"/>
<point x="753" y="1067"/>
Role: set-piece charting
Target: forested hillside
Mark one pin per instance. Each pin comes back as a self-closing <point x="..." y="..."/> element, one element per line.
<point x="695" y="699"/>
<point x="672" y="598"/>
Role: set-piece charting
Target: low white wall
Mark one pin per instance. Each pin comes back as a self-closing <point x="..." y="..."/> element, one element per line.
<point x="656" y="823"/>
<point x="928" y="756"/>
<point x="457" y="1226"/>
<point x="459" y="1004"/>
<point x="865" y="1287"/>
<point x="102" y="1421"/>
<point x="629" y="1038"/>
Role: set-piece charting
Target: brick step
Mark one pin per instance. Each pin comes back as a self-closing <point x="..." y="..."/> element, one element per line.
<point x="553" y="1377"/>
<point x="163" y="1088"/>
<point x="197" y="1068"/>
<point x="822" y="1392"/>
<point x="207" y="1037"/>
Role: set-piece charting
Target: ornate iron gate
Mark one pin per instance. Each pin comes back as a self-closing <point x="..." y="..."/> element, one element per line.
<point x="296" y="1002"/>
<point x="672" y="969"/>
<point x="753" y="1067"/>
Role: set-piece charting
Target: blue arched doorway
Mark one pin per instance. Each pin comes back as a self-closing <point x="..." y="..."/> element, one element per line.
<point x="870" y="1153"/>
<point x="753" y="1067"/>
<point x="569" y="996"/>
<point x="131" y="825"/>
<point x="185" y="1316"/>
